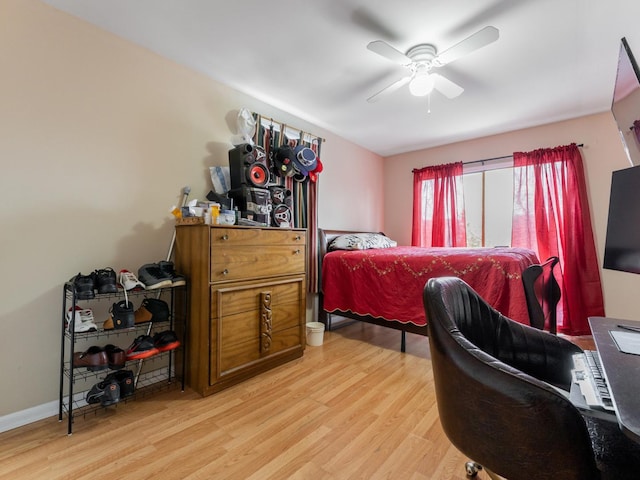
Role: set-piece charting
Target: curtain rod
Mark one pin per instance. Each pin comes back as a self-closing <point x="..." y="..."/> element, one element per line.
<point x="496" y="158"/>
<point x="282" y="124"/>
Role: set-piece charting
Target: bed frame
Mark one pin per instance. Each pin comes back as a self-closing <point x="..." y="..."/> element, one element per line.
<point x="324" y="238"/>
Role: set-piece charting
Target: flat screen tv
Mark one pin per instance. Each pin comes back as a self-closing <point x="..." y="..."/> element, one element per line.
<point x="622" y="246"/>
<point x="626" y="102"/>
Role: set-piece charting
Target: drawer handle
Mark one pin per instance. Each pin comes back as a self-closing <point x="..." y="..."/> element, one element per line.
<point x="224" y="237"/>
<point x="296" y="252"/>
<point x="225" y="272"/>
<point x="298" y="238"/>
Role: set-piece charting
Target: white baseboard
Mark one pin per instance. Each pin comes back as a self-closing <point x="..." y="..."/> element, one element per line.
<point x="30" y="415"/>
<point x="40" y="412"/>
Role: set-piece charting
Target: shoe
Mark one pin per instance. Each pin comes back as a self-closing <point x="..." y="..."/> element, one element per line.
<point x="142" y="347"/>
<point x="105" y="392"/>
<point x="80" y="321"/>
<point x="165" y="341"/>
<point x="168" y="269"/>
<point x="95" y="359"/>
<point x="125" y="381"/>
<point x="152" y="310"/>
<point x="116" y="356"/>
<point x="105" y="280"/>
<point x="129" y="281"/>
<point x="121" y="316"/>
<point x="83" y="286"/>
<point x="153" y="277"/>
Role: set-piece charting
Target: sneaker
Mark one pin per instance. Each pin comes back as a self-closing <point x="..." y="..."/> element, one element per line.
<point x="142" y="347"/>
<point x="152" y="310"/>
<point x="116" y="356"/>
<point x="121" y="316"/>
<point x="129" y="281"/>
<point x="94" y="359"/>
<point x="83" y="285"/>
<point x="125" y="381"/>
<point x="80" y="320"/>
<point x="105" y="280"/>
<point x="165" y="341"/>
<point x="106" y="392"/>
<point x="153" y="277"/>
<point x="168" y="269"/>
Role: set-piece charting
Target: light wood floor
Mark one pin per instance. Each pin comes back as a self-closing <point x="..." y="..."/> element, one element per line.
<point x="354" y="407"/>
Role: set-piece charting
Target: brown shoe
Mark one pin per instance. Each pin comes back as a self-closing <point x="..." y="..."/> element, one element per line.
<point x="121" y="316"/>
<point x="152" y="310"/>
<point x="95" y="358"/>
<point x="117" y="357"/>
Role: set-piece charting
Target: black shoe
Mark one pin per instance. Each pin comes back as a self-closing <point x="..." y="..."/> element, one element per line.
<point x="165" y="341"/>
<point x="152" y="310"/>
<point x="83" y="286"/>
<point x="105" y="280"/>
<point x="122" y="316"/>
<point x="125" y="381"/>
<point x="153" y="277"/>
<point x="142" y="347"/>
<point x="105" y="393"/>
<point x="168" y="269"/>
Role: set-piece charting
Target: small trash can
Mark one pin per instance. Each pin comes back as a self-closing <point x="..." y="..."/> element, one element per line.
<point x="315" y="333"/>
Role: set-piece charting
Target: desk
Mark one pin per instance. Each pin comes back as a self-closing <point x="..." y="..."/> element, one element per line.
<point x="622" y="372"/>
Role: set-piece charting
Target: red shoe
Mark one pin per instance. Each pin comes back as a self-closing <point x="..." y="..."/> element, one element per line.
<point x="165" y="341"/>
<point x="142" y="347"/>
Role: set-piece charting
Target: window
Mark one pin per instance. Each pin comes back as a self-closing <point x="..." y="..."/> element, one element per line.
<point x="488" y="203"/>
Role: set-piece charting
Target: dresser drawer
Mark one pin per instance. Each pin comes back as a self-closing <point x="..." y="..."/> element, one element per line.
<point x="238" y="299"/>
<point x="255" y="236"/>
<point x="243" y="354"/>
<point x="229" y="263"/>
<point x="237" y="310"/>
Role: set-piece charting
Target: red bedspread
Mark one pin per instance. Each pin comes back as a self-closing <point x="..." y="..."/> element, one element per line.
<point x="387" y="283"/>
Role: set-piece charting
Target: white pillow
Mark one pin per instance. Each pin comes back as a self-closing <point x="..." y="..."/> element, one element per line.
<point x="361" y="241"/>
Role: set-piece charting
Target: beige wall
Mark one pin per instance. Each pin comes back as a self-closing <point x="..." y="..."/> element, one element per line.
<point x="602" y="153"/>
<point x="97" y="139"/>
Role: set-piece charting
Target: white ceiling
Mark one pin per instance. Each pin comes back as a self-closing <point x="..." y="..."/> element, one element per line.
<point x="554" y="60"/>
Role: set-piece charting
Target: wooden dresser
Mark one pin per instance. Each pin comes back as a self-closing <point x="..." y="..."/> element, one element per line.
<point x="247" y="301"/>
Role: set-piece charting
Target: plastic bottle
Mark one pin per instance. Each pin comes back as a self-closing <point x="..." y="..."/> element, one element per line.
<point x="215" y="213"/>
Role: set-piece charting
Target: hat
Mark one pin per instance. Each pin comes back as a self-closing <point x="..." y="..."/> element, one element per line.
<point x="284" y="158"/>
<point x="313" y="174"/>
<point x="305" y="159"/>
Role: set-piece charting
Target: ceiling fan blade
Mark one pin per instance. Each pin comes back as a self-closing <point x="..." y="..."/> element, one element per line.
<point x="446" y="87"/>
<point x="383" y="48"/>
<point x="390" y="89"/>
<point x="470" y="44"/>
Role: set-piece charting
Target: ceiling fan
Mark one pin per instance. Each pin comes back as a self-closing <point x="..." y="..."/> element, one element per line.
<point x="422" y="59"/>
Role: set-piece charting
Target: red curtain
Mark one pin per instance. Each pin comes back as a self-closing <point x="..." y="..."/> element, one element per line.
<point x="551" y="216"/>
<point x="438" y="207"/>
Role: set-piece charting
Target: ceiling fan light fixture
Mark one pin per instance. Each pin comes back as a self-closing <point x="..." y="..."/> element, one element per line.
<point x="421" y="85"/>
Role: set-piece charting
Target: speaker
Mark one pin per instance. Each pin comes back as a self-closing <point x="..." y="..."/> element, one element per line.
<point x="281" y="215"/>
<point x="282" y="206"/>
<point x="280" y="195"/>
<point x="253" y="203"/>
<point x="244" y="170"/>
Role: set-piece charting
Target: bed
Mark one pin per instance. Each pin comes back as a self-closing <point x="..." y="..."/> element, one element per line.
<point x="384" y="286"/>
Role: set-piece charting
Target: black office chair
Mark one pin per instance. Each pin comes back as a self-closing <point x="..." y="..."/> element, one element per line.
<point x="542" y="294"/>
<point x="502" y="391"/>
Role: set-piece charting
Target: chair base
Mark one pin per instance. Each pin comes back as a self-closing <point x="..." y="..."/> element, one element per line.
<point x="472" y="469"/>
